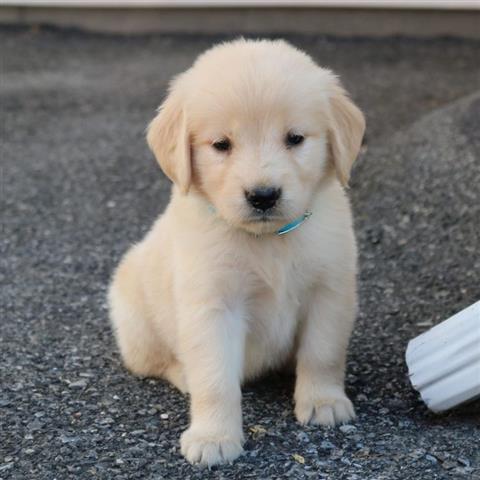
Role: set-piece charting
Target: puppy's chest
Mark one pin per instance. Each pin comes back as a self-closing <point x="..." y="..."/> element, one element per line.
<point x="277" y="296"/>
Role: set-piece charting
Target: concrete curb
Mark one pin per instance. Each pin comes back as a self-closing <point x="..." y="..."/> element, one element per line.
<point x="329" y="21"/>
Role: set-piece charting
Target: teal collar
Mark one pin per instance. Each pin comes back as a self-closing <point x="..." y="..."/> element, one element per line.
<point x="289" y="227"/>
<point x="294" y="224"/>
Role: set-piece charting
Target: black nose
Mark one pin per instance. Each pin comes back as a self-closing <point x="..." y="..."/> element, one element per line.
<point x="263" y="198"/>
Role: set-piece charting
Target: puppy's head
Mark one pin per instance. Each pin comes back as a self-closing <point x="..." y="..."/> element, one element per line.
<point x="255" y="126"/>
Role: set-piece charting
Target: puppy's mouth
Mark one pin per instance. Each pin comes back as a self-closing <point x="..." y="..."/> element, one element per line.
<point x="264" y="216"/>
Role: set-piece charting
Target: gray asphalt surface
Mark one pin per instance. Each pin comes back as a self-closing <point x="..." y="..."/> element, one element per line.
<point x="79" y="186"/>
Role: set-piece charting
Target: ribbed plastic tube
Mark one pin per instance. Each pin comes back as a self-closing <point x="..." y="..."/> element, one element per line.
<point x="444" y="362"/>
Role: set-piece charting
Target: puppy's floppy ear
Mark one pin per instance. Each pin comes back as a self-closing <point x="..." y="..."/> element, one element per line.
<point x="168" y="138"/>
<point x="346" y="129"/>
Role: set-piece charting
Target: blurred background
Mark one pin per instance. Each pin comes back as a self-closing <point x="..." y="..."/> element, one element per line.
<point x="337" y="17"/>
<point x="80" y="80"/>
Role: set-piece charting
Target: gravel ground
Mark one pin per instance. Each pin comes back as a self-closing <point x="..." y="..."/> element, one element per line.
<point x="79" y="186"/>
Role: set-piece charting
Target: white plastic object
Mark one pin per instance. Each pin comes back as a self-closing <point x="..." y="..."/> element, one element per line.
<point x="444" y="362"/>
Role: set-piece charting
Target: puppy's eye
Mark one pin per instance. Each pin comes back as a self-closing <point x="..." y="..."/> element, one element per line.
<point x="293" y="139"/>
<point x="222" y="145"/>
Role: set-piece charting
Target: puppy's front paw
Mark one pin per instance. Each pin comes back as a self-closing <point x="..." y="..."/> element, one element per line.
<point x="328" y="410"/>
<point x="210" y="449"/>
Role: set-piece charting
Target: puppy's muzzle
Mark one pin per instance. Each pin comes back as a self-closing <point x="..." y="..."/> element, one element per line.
<point x="263" y="198"/>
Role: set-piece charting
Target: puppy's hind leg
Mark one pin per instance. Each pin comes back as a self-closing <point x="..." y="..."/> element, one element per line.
<point x="143" y="352"/>
<point x="174" y="373"/>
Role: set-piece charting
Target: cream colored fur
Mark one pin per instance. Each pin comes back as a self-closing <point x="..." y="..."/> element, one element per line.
<point x="209" y="299"/>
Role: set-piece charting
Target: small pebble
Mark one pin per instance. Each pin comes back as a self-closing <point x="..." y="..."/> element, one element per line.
<point x="464" y="461"/>
<point x="67" y="439"/>
<point x="448" y="465"/>
<point x="298" y="458"/>
<point x="303" y="437"/>
<point x="347" y="429"/>
<point x="326" y="445"/>
<point x="78" y="384"/>
<point x="35" y="425"/>
<point x="106" y="421"/>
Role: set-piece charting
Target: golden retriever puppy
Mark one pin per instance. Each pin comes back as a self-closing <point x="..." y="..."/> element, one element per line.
<point x="252" y="265"/>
